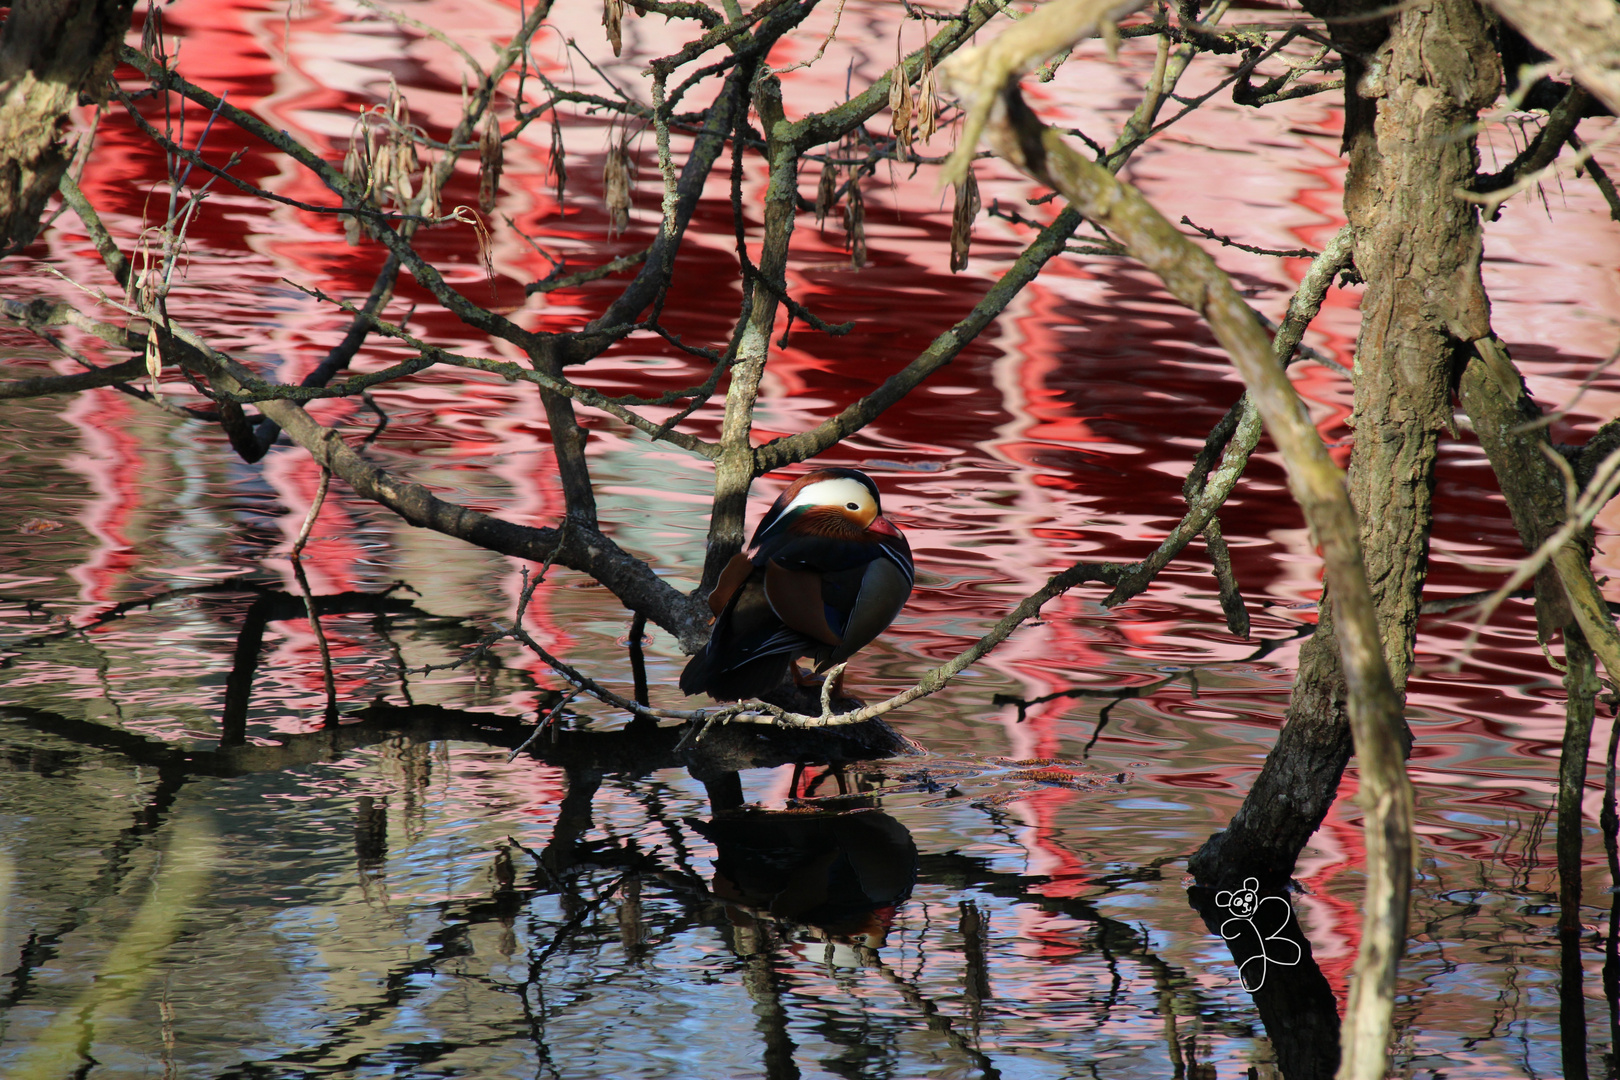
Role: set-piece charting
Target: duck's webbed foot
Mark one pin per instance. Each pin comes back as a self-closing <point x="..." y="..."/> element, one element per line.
<point x="802" y="677"/>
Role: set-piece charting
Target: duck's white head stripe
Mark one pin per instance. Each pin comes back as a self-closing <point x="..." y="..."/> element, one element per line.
<point x="852" y="495"/>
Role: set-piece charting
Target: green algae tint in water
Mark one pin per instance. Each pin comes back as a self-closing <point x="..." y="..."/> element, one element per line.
<point x="390" y="897"/>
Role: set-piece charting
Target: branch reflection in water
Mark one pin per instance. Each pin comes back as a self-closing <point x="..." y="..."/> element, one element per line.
<point x="373" y="907"/>
<point x="810" y="899"/>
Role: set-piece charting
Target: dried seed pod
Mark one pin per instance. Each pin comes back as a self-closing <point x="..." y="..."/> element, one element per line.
<point x="142" y="294"/>
<point x="489" y="163"/>
<point x="143" y="297"/>
<point x="359" y="176"/>
<point x="382" y="170"/>
<point x="855" y="223"/>
<point x="354" y="167"/>
<point x="900" y="104"/>
<point x="374" y="159"/>
<point x="967" y="208"/>
<point x="402" y="176"/>
<point x="927" y="119"/>
<point x="403" y="163"/>
<point x="154" y="360"/>
<point x="152" y="33"/>
<point x="559" y="162"/>
<point x="826" y="191"/>
<point x="396" y="103"/>
<point x="407" y="150"/>
<point x="616" y="188"/>
<point x="430" y="192"/>
<point x="613" y="19"/>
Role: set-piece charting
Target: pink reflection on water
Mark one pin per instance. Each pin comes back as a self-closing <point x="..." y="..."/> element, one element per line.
<point x="1064" y="432"/>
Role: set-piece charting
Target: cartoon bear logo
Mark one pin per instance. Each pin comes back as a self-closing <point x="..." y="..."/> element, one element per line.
<point x="1255" y="932"/>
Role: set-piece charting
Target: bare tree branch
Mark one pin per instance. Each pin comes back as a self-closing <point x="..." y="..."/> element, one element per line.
<point x="1190" y="275"/>
<point x="1599" y="177"/>
<point x="1582" y="35"/>
<point x="1552" y="525"/>
<point x="587" y="549"/>
<point x="1544" y="147"/>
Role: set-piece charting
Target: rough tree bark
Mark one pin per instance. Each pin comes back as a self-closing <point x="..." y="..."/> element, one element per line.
<point x="50" y="50"/>
<point x="1417" y="84"/>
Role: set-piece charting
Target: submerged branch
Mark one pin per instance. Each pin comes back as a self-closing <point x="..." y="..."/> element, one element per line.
<point x="935" y="680"/>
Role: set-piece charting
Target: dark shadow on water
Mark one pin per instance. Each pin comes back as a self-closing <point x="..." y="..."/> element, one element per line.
<point x="1276" y="968"/>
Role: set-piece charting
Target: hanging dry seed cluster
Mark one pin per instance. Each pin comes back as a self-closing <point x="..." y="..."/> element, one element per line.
<point x="967" y="207"/>
<point x="430" y="191"/>
<point x="489" y="163"/>
<point x="143" y="294"/>
<point x="926" y="120"/>
<point x="559" y="166"/>
<point x="826" y="192"/>
<point x="855" y="222"/>
<point x="382" y="161"/>
<point x="394" y="162"/>
<point x="915" y="113"/>
<point x="901" y="105"/>
<point x="354" y="171"/>
<point x="152" y="35"/>
<point x="613" y="19"/>
<point x="616" y="186"/>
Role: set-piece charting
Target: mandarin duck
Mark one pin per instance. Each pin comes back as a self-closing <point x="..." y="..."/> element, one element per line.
<point x="826" y="573"/>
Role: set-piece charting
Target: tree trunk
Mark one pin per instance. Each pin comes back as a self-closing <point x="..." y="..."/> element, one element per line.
<point x="50" y="50"/>
<point x="1411" y="98"/>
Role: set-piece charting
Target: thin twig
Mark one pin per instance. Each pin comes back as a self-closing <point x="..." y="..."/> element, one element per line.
<point x="314" y="512"/>
<point x="1600" y="177"/>
<point x="1284" y="253"/>
<point x="543" y="723"/>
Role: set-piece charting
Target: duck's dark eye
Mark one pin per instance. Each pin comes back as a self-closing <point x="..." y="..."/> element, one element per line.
<point x="852" y="506"/>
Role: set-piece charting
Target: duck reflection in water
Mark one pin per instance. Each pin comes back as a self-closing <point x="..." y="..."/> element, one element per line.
<point x="839" y="873"/>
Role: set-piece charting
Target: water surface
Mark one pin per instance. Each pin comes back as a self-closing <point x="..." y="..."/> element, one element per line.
<point x="392" y="897"/>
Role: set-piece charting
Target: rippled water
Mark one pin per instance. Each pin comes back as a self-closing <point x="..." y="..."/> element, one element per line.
<point x="391" y="897"/>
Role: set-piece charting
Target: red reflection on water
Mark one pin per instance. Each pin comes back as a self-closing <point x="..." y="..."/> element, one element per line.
<point x="104" y="428"/>
<point x="1063" y="432"/>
